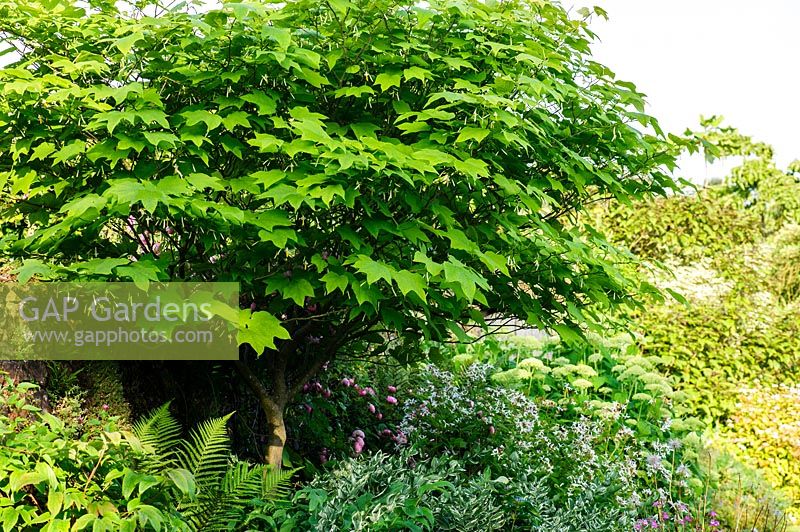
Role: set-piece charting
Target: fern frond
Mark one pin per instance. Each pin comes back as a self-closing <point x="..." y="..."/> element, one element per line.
<point x="159" y="433"/>
<point x="206" y="454"/>
<point x="217" y="509"/>
<point x="276" y="485"/>
<point x="242" y="486"/>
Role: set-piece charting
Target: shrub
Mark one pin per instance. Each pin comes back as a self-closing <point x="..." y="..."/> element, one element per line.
<point x="764" y="434"/>
<point x="83" y="472"/>
<point x="346" y="399"/>
<point x="384" y="492"/>
<point x="609" y="380"/>
<point x="681" y="227"/>
<point x="59" y="476"/>
<point x="784" y="276"/>
<point x="714" y="348"/>
<point x="555" y="461"/>
<point x="592" y="465"/>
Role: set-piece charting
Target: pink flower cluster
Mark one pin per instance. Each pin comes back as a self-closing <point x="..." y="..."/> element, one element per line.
<point x="357" y="437"/>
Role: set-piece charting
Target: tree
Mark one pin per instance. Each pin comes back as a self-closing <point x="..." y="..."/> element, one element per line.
<point x="371" y="172"/>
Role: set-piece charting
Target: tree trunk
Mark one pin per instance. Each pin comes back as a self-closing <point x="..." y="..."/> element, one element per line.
<point x="272" y="405"/>
<point x="276" y="440"/>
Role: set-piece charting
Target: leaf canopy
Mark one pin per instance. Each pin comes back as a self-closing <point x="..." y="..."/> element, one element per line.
<point x="351" y="164"/>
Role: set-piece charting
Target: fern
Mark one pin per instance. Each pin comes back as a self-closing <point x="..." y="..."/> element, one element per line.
<point x="277" y="485"/>
<point x="226" y="490"/>
<point x="206" y="454"/>
<point x="223" y="507"/>
<point x="159" y="433"/>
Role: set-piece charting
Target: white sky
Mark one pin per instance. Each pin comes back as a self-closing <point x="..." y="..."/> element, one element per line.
<point x="736" y="58"/>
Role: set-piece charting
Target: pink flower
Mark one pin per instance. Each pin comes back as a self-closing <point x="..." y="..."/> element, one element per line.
<point x="308" y="408"/>
<point x="492" y="430"/>
<point x="386" y="433"/>
<point x="362" y="392"/>
<point x="392" y="400"/>
<point x="392" y="389"/>
<point x="358" y="445"/>
<point x="371" y="408"/>
<point x="253" y="306"/>
<point x="358" y="433"/>
<point x="379" y="415"/>
<point x="326" y="394"/>
<point x="105" y="407"/>
<point x="347" y="382"/>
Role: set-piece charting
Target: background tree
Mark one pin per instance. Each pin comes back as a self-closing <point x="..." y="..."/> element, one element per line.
<point x="371" y="172"/>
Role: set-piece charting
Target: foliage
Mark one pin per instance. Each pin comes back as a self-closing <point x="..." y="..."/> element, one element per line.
<point x="397" y="492"/>
<point x="562" y="458"/>
<point x="785" y="263"/>
<point x="356" y="166"/>
<point x="60" y="476"/>
<point x="764" y="434"/>
<point x="736" y="341"/>
<point x="75" y="472"/>
<point x="607" y="379"/>
<point x="714" y="348"/>
<point x="771" y="193"/>
<point x="220" y="492"/>
<point x="717" y="141"/>
<point x="682" y="228"/>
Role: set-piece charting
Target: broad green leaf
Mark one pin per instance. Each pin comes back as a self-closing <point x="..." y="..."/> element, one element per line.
<point x="42" y="151"/>
<point x="334" y="281"/>
<point x="125" y="44"/>
<point x="69" y="151"/>
<point x="388" y="80"/>
<point x="157" y="138"/>
<point x="265" y="104"/>
<point x="472" y="133"/>
<point x="374" y="270"/>
<point x="211" y="120"/>
<point x="31" y="268"/>
<point x="260" y="330"/>
<point x="237" y="118"/>
<point x="410" y="282"/>
<point x="184" y="481"/>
